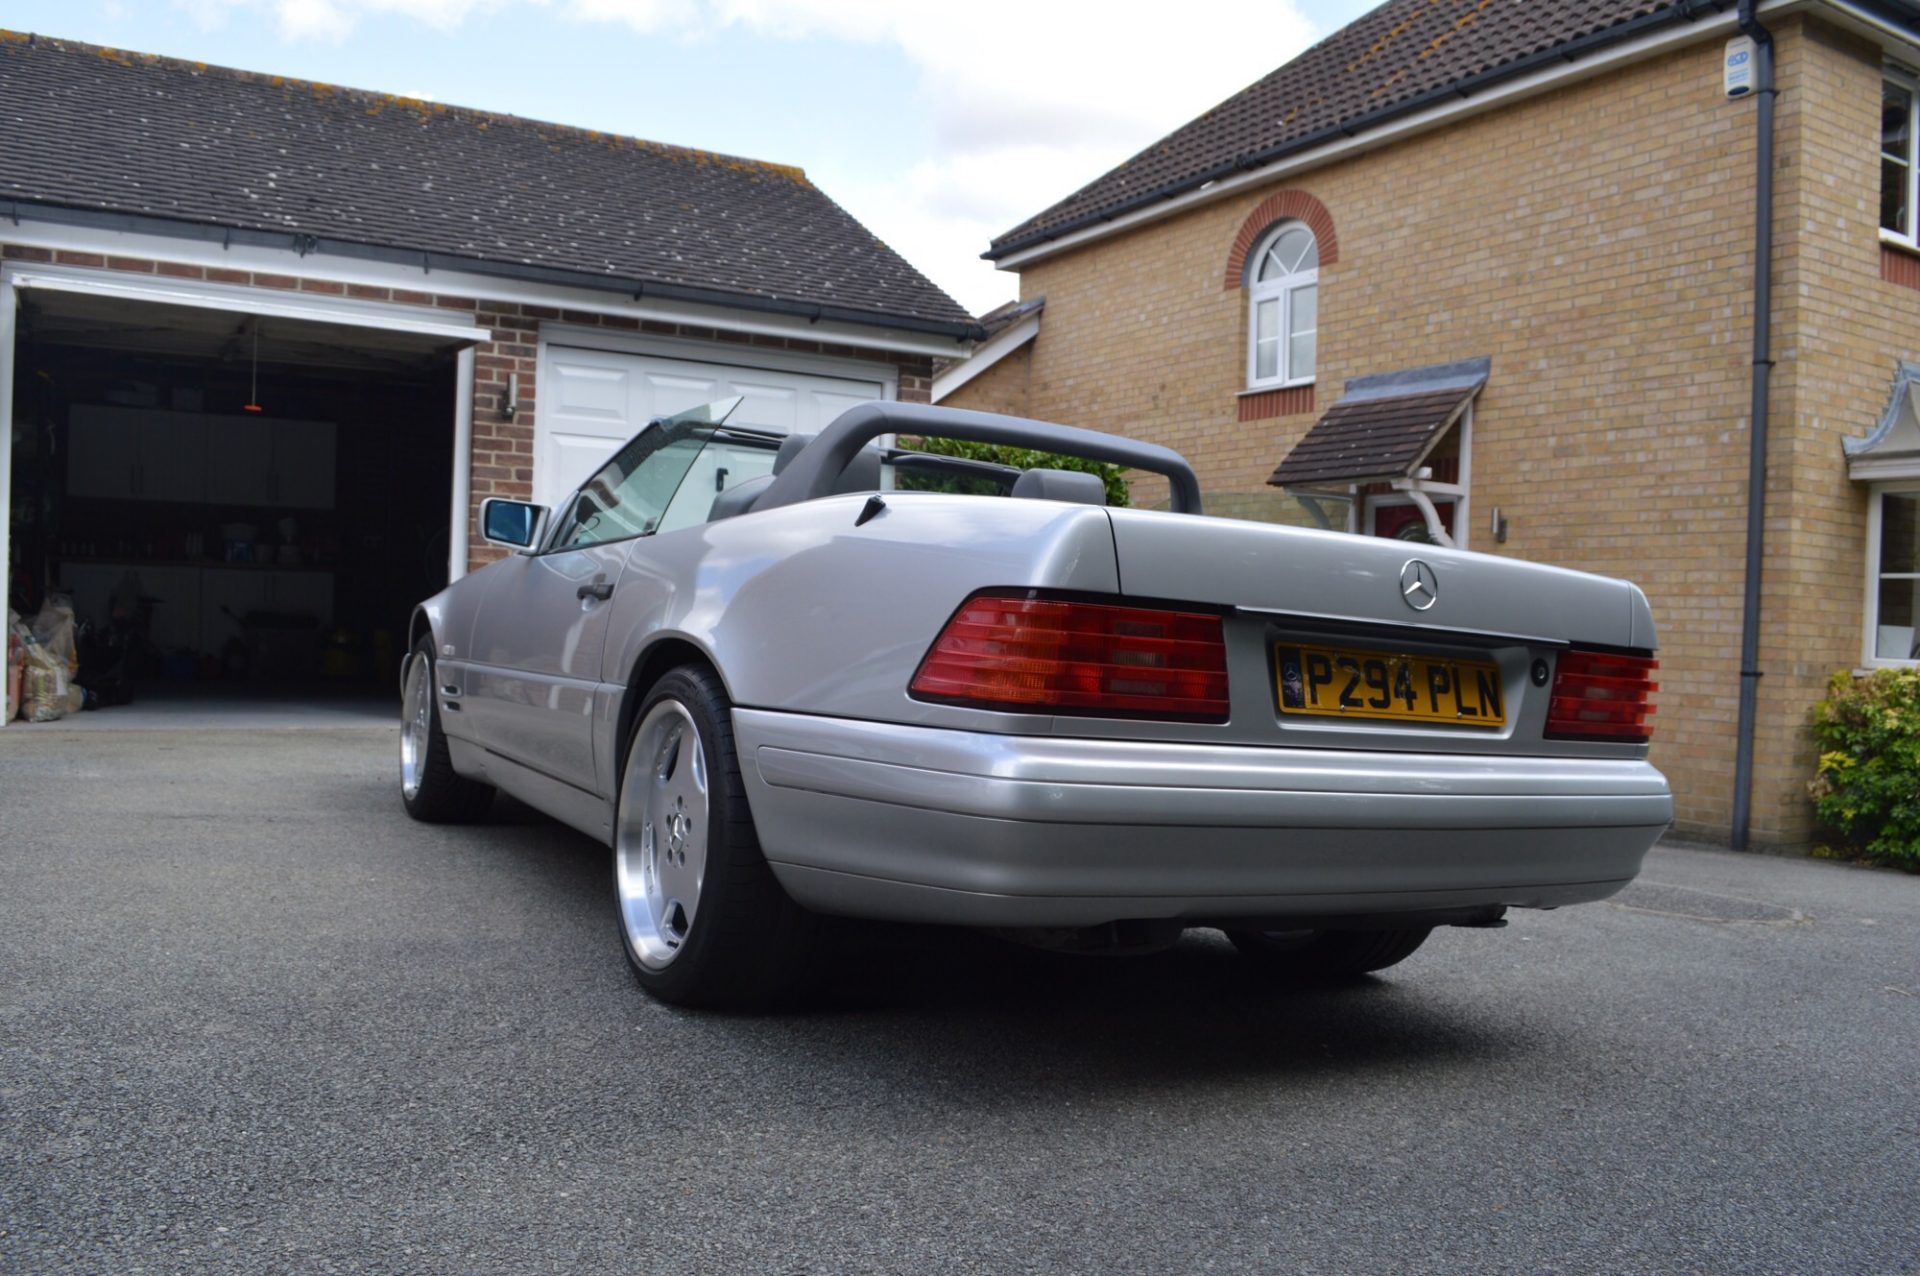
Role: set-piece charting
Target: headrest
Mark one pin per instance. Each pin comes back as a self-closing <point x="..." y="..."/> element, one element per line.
<point x="739" y="498"/>
<point x="861" y="475"/>
<point x="1061" y="485"/>
<point x="789" y="448"/>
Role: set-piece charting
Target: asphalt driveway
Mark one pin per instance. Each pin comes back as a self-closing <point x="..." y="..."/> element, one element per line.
<point x="252" y="1019"/>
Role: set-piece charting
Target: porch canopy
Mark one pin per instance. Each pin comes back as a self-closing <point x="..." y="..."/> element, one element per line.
<point x="1382" y="431"/>
<point x="1892" y="450"/>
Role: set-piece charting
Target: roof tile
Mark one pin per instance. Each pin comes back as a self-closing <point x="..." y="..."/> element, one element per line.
<point x="1401" y="51"/>
<point x="1377" y="438"/>
<point x="103" y="129"/>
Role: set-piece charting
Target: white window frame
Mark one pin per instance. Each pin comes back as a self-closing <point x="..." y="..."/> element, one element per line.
<point x="1911" y="83"/>
<point x="1281" y="290"/>
<point x="1871" y="632"/>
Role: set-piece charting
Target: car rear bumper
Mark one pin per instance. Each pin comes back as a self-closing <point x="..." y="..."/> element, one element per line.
<point x="934" y="825"/>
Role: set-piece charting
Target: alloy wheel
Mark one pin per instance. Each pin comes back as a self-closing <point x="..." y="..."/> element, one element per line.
<point x="660" y="843"/>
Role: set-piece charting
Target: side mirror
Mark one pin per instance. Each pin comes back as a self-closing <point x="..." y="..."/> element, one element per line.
<point x="514" y="524"/>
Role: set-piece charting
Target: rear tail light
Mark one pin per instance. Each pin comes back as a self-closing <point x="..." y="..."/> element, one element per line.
<point x="1040" y="655"/>
<point x="1601" y="696"/>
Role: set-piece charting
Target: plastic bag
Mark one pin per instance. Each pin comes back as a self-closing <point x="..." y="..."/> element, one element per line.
<point x="55" y="629"/>
<point x="44" y="689"/>
<point x="17" y="634"/>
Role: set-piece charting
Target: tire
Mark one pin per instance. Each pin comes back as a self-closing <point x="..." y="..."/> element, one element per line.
<point x="702" y="919"/>
<point x="1328" y="954"/>
<point x="431" y="790"/>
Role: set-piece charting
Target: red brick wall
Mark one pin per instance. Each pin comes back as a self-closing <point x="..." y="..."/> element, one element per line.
<point x="502" y="449"/>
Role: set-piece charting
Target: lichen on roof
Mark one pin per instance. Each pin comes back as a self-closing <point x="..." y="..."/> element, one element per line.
<point x="152" y="136"/>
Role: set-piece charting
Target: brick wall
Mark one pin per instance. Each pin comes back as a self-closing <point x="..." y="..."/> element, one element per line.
<point x="502" y="449"/>
<point x="1840" y="328"/>
<point x="1596" y="242"/>
<point x="1001" y="388"/>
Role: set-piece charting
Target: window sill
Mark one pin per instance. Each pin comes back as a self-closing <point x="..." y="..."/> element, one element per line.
<point x="1294" y="399"/>
<point x="1279" y="385"/>
<point x="1898" y="242"/>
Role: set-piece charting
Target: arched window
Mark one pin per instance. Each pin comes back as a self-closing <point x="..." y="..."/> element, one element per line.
<point x="1283" y="291"/>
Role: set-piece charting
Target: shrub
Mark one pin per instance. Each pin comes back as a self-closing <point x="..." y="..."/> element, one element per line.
<point x="1868" y="784"/>
<point x="1019" y="458"/>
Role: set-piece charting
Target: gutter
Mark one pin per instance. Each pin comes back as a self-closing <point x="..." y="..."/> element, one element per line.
<point x="986" y="355"/>
<point x="1686" y="10"/>
<point x="1757" y="435"/>
<point x="634" y="289"/>
<point x="1860" y="13"/>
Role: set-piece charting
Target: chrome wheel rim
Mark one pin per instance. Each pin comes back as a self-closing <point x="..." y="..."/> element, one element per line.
<point x="660" y="839"/>
<point x="416" y="720"/>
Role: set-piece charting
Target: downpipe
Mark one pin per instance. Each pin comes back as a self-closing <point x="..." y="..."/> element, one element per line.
<point x="1757" y="437"/>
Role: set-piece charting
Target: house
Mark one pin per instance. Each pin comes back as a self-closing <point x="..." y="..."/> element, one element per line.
<point x="265" y="345"/>
<point x="1484" y="271"/>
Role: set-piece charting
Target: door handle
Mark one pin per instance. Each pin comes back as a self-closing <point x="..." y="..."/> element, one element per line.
<point x="600" y="589"/>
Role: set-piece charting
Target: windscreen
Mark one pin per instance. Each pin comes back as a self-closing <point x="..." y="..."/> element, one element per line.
<point x="633" y="494"/>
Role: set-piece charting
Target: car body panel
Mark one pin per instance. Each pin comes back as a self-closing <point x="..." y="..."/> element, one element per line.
<point x="801" y="608"/>
<point x="1315" y="574"/>
<point x="816" y="614"/>
<point x="536" y="657"/>
<point x="1015" y="829"/>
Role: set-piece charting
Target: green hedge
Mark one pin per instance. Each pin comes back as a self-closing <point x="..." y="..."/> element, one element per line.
<point x="1868" y="785"/>
<point x="1019" y="458"/>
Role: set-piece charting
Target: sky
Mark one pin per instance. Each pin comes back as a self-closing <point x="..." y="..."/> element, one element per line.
<point x="939" y="127"/>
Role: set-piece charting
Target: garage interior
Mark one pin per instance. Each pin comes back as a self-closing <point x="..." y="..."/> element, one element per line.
<point x="244" y="508"/>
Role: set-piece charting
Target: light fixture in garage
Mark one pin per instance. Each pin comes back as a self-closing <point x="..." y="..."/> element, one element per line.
<point x="253" y="394"/>
<point x="511" y="404"/>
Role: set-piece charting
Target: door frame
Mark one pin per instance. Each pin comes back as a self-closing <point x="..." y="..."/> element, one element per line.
<point x="455" y="327"/>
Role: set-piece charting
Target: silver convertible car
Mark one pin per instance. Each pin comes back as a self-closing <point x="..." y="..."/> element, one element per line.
<point x="786" y="682"/>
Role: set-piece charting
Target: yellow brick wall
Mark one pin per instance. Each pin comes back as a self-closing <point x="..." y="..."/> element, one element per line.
<point x="1597" y="244"/>
<point x="1839" y="331"/>
<point x="1001" y="388"/>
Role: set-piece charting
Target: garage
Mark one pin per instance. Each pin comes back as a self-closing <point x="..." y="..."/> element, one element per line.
<point x="602" y="397"/>
<point x="241" y="495"/>
<point x="266" y="347"/>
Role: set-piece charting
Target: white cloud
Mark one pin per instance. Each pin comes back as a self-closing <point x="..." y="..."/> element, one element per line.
<point x="333" y="21"/>
<point x="1031" y="101"/>
<point x="645" y="16"/>
<point x="1028" y="99"/>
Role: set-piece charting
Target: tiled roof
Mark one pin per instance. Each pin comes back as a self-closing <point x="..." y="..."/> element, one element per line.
<point x="1005" y="315"/>
<point x="1377" y="438"/>
<point x="100" y="129"/>
<point x="1400" y="53"/>
<point x="993" y="323"/>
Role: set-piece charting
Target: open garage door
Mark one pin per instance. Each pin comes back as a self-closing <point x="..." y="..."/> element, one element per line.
<point x="599" y="399"/>
<point x="241" y="494"/>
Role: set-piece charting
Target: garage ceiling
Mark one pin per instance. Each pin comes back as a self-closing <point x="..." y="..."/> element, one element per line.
<point x="188" y="332"/>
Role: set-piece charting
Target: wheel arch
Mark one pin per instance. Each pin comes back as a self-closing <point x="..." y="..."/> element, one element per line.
<point x="418" y="627"/>
<point x="666" y="652"/>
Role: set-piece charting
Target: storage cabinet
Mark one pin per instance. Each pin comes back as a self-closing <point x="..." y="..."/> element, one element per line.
<point x="176" y="618"/>
<point x="301" y="476"/>
<point x="144" y="454"/>
<point x="189" y="615"/>
<point x="239" y="456"/>
<point x="136" y="454"/>
<point x="240" y="590"/>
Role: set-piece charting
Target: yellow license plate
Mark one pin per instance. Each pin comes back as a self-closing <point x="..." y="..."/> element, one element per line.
<point x="1341" y="682"/>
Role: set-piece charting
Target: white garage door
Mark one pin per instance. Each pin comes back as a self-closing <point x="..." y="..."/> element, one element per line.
<point x="595" y="400"/>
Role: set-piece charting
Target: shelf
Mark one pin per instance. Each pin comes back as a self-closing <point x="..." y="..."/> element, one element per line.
<point x="207" y="564"/>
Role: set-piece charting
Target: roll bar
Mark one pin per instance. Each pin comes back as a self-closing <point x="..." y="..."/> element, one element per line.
<point x="811" y="474"/>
